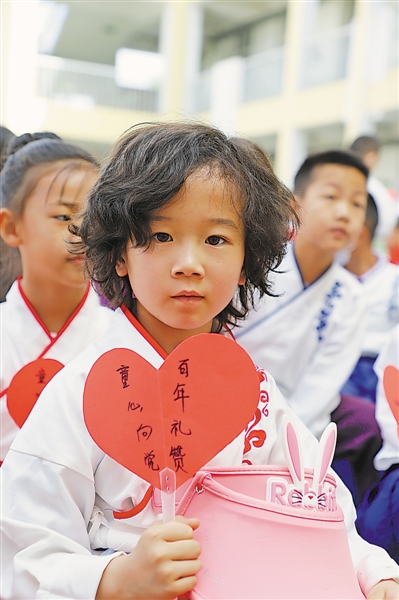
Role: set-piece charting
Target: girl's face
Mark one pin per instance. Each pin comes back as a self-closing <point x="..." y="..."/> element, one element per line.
<point x="43" y="226"/>
<point x="193" y="266"/>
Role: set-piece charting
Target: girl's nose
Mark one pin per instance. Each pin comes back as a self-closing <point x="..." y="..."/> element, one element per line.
<point x="188" y="262"/>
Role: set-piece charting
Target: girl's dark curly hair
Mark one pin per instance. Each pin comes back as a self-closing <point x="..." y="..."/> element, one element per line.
<point x="148" y="167"/>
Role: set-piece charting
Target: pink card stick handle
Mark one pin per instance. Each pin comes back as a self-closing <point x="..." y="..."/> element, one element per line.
<point x="167" y="479"/>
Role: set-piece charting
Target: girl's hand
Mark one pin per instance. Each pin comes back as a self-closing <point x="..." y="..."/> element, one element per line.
<point x="387" y="589"/>
<point x="162" y="566"/>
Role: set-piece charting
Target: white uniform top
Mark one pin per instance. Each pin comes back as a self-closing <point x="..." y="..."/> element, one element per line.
<point x="389" y="453"/>
<point x="308" y="338"/>
<point x="381" y="290"/>
<point x="387" y="207"/>
<point x="55" y="526"/>
<point x="25" y="338"/>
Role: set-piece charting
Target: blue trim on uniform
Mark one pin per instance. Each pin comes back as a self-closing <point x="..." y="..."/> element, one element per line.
<point x="378" y="514"/>
<point x="329" y="306"/>
<point x="305" y="287"/>
<point x="276" y="310"/>
<point x="298" y="269"/>
<point x="363" y="380"/>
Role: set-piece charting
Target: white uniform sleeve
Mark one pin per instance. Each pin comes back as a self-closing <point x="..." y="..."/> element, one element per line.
<point x="317" y="393"/>
<point x="48" y="494"/>
<point x="44" y="532"/>
<point x="389" y="453"/>
<point x="372" y="563"/>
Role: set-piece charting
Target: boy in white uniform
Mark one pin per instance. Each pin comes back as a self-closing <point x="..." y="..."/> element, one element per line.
<point x="380" y="281"/>
<point x="165" y="235"/>
<point x="51" y="312"/>
<point x="309" y="337"/>
<point x="368" y="149"/>
<point x="378" y="514"/>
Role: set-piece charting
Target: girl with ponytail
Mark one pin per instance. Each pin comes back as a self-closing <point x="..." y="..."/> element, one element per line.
<point x="51" y="313"/>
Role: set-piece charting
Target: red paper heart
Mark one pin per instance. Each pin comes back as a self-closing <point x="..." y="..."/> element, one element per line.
<point x="27" y="385"/>
<point x="391" y="388"/>
<point x="179" y="416"/>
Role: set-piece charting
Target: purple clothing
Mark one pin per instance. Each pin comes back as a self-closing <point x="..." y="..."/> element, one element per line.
<point x="358" y="441"/>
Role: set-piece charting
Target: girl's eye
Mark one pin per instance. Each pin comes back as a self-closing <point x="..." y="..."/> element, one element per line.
<point x="62" y="218"/>
<point x="162" y="237"/>
<point x="215" y="240"/>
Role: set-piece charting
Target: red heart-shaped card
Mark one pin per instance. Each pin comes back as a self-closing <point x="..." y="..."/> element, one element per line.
<point x="27" y="385"/>
<point x="178" y="416"/>
<point x="391" y="388"/>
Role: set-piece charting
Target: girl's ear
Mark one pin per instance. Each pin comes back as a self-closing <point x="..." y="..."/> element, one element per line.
<point x="8" y="228"/>
<point x="121" y="268"/>
<point x="242" y="279"/>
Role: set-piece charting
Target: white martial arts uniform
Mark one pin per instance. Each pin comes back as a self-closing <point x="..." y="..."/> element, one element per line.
<point x="381" y="290"/>
<point x="389" y="453"/>
<point x="25" y="338"/>
<point x="308" y="338"/>
<point x="386" y="206"/>
<point x="378" y="514"/>
<point x="60" y="490"/>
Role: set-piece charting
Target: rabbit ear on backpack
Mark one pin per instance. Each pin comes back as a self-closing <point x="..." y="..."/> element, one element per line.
<point x="292" y="452"/>
<point x="326" y="454"/>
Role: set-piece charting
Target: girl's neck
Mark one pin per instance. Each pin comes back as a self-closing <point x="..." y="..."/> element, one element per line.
<point x="167" y="337"/>
<point x="53" y="303"/>
<point x="311" y="261"/>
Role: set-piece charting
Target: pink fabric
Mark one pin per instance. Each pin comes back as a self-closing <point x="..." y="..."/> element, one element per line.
<point x="253" y="548"/>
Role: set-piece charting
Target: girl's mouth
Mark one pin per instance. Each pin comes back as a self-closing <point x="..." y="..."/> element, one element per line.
<point x="188" y="296"/>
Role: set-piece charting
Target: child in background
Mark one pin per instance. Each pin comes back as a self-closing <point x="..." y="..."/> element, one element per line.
<point x="10" y="259"/>
<point x="380" y="280"/>
<point x="393" y="243"/>
<point x="368" y="149"/>
<point x="181" y="228"/>
<point x="10" y="267"/>
<point x="51" y="312"/>
<point x="378" y="514"/>
<point x="5" y="137"/>
<point x="309" y="336"/>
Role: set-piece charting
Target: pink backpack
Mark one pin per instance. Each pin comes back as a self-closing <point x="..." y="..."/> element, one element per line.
<point x="272" y="532"/>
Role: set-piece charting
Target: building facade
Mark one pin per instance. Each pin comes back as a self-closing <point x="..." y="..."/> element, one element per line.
<point x="297" y="77"/>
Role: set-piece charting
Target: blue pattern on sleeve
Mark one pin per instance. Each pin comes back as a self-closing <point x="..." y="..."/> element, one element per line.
<point x="327" y="309"/>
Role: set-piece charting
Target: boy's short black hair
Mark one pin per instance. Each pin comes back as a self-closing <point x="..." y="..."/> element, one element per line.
<point x="148" y="167"/>
<point x="335" y="157"/>
<point x="371" y="220"/>
<point x="365" y="144"/>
